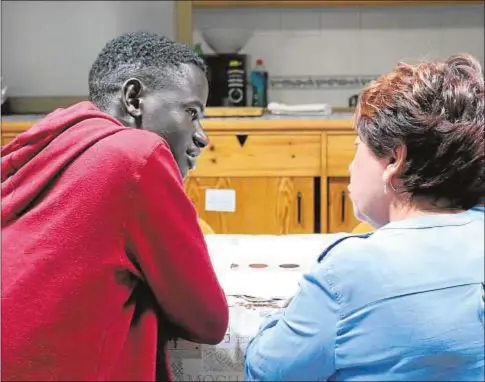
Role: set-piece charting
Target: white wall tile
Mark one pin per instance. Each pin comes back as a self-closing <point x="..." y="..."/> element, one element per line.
<point x="462" y="31"/>
<point x="390" y="35"/>
<point x="340" y="18"/>
<point x="222" y="17"/>
<point x="380" y="50"/>
<point x="350" y="40"/>
<point x="237" y="17"/>
<point x="340" y="52"/>
<point x="257" y="47"/>
<point x="265" y="19"/>
<point x="304" y="19"/>
<point x="463" y="40"/>
<point x="294" y="54"/>
<point x="401" y="17"/>
<point x="468" y="16"/>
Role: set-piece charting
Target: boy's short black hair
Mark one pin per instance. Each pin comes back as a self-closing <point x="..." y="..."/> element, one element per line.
<point x="147" y="56"/>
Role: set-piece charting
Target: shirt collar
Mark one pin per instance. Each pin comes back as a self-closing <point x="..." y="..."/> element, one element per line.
<point x="431" y="220"/>
<point x="478" y="209"/>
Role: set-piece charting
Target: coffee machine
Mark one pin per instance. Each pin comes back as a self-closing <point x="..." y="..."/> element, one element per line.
<point x="227" y="76"/>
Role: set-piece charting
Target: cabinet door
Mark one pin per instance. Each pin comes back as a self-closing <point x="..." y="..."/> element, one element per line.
<point x="263" y="205"/>
<point x="340" y="211"/>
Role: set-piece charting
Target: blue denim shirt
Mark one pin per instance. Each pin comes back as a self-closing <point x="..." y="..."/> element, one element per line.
<point x="478" y="212"/>
<point x="402" y="304"/>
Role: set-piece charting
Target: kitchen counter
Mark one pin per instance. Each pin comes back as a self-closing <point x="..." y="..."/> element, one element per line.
<point x="281" y="122"/>
<point x="17" y="123"/>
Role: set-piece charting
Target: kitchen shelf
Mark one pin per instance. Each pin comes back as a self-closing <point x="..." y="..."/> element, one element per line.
<point x="302" y="3"/>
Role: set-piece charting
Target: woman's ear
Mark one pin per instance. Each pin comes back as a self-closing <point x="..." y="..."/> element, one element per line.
<point x="398" y="158"/>
<point x="396" y="163"/>
<point x="132" y="93"/>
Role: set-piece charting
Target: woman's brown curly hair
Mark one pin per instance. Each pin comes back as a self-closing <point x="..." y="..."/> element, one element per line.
<point x="436" y="110"/>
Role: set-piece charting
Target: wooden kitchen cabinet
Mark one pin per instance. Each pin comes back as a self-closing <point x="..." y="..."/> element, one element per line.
<point x="11" y="129"/>
<point x="340" y="153"/>
<point x="272" y="174"/>
<point x="289" y="175"/>
<point x="340" y="211"/>
<point x="6" y="138"/>
<point x="263" y="205"/>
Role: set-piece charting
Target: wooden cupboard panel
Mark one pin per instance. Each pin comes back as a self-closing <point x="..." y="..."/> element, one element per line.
<point x="6" y="138"/>
<point x="340" y="210"/>
<point x="12" y="129"/>
<point x="273" y="205"/>
<point x="260" y="155"/>
<point x="340" y="153"/>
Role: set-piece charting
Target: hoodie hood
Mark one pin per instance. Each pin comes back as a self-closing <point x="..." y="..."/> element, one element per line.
<point x="32" y="161"/>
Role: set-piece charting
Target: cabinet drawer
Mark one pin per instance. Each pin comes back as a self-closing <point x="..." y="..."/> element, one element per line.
<point x="340" y="153"/>
<point x="260" y="155"/>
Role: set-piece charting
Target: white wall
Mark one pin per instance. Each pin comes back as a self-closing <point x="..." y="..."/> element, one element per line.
<point x="49" y="46"/>
<point x="347" y="40"/>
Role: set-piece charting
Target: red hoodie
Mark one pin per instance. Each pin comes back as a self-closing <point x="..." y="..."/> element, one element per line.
<point x="102" y="256"/>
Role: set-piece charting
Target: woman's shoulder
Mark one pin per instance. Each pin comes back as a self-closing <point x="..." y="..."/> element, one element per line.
<point x="348" y="247"/>
<point x="435" y="237"/>
<point x="399" y="261"/>
<point x="352" y="257"/>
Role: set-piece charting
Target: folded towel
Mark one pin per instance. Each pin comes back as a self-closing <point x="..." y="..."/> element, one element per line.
<point x="315" y="108"/>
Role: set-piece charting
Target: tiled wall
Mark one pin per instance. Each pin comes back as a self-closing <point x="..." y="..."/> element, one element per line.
<point x="347" y="40"/>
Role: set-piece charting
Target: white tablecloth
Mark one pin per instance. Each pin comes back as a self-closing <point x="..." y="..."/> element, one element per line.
<point x="252" y="294"/>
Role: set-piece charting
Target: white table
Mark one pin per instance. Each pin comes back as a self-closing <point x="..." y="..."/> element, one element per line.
<point x="271" y="286"/>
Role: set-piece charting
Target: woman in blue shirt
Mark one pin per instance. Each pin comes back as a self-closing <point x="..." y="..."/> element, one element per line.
<point x="404" y="303"/>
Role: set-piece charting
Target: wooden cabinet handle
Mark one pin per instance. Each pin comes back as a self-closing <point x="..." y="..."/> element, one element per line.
<point x="298" y="207"/>
<point x="342" y="210"/>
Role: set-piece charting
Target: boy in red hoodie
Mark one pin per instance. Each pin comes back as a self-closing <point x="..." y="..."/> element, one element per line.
<point x="102" y="257"/>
